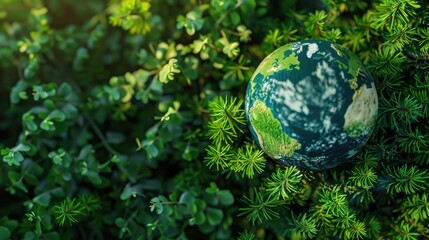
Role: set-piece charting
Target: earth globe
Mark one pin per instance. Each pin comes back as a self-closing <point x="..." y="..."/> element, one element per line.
<point x="311" y="104"/>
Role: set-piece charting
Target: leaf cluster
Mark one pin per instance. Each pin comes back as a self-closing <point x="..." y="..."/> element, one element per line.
<point x="125" y="119"/>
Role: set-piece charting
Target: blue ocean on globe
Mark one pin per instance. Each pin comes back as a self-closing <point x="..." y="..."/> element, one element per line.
<point x="311" y="104"/>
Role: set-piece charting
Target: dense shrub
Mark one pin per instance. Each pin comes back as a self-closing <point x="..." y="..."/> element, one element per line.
<point x="125" y="119"/>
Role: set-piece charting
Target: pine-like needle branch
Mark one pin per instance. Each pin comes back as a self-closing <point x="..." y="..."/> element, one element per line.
<point x="284" y="183"/>
<point x="391" y="13"/>
<point x="363" y="176"/>
<point x="333" y="201"/>
<point x="227" y="119"/>
<point x="218" y="156"/>
<point x="260" y="208"/>
<point x="416" y="207"/>
<point x="246" y="235"/>
<point x="386" y="63"/>
<point x="303" y="226"/>
<point x="406" y="179"/>
<point x="248" y="161"/>
<point x="401" y="110"/>
<point x="68" y="211"/>
<point x="404" y="231"/>
<point x="413" y="141"/>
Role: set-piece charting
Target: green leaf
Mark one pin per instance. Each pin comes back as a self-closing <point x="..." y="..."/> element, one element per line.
<point x="248" y="8"/>
<point x="44" y="91"/>
<point x="81" y="55"/>
<point x="200" y="218"/>
<point x="29" y="123"/>
<point x="155" y="203"/>
<point x="152" y="151"/>
<point x="115" y="137"/>
<point x="186" y="198"/>
<point x="43" y="199"/>
<point x="214" y="216"/>
<point x="70" y="111"/>
<point x="120" y="222"/>
<point x="22" y="147"/>
<point x="225" y="197"/>
<point x="57" y="115"/>
<point x="12" y="156"/>
<point x="19" y="87"/>
<point x="128" y="192"/>
<point x="47" y="125"/>
<point x="213" y="188"/>
<point x="65" y="89"/>
<point x="4" y="233"/>
<point x="192" y="22"/>
<point x="94" y="177"/>
<point x="167" y="72"/>
<point x="16" y="180"/>
<point x="235" y="18"/>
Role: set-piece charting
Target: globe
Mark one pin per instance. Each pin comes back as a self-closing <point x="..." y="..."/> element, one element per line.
<point x="311" y="104"/>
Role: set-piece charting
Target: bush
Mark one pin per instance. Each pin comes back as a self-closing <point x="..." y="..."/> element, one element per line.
<point x="125" y="119"/>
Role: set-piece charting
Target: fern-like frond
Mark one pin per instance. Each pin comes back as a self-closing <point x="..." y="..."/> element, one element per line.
<point x="345" y="221"/>
<point x="354" y="40"/>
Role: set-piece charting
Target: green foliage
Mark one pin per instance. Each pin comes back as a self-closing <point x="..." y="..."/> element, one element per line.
<point x="259" y="207"/>
<point x="68" y="211"/>
<point x="227" y="119"/>
<point x="406" y="179"/>
<point x="284" y="183"/>
<point x="248" y="160"/>
<point x="303" y="226"/>
<point x="247" y="236"/>
<point x="124" y="119"/>
<point x="131" y="15"/>
<point x="363" y="176"/>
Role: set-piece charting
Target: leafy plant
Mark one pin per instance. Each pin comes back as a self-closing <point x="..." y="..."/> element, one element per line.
<point x="125" y="119"/>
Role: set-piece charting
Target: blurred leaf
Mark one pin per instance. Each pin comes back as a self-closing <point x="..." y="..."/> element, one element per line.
<point x="214" y="216"/>
<point x="4" y="233"/>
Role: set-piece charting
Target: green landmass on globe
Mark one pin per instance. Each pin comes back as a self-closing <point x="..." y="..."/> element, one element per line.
<point x="269" y="131"/>
<point x="311" y="104"/>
